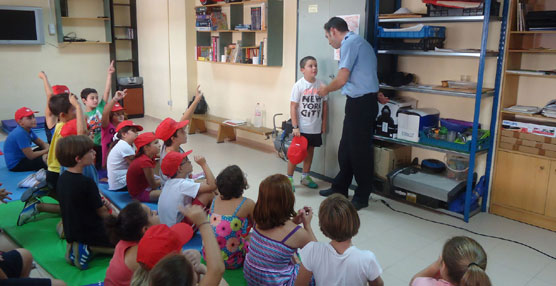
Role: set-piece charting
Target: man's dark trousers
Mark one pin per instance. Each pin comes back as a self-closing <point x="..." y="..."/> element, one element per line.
<point x="355" y="153"/>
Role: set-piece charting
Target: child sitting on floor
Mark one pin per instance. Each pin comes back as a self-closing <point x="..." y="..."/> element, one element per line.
<point x="160" y="241"/>
<point x="112" y="115"/>
<point x="338" y="262"/>
<point x="231" y="216"/>
<point x="82" y="209"/>
<point x="19" y="155"/>
<point x="173" y="133"/>
<point x="141" y="182"/>
<point x="66" y="107"/>
<point x="126" y="230"/>
<point x="277" y="230"/>
<point x="15" y="267"/>
<point x="463" y="263"/>
<point x="121" y="155"/>
<point x="94" y="110"/>
<point x="179" y="190"/>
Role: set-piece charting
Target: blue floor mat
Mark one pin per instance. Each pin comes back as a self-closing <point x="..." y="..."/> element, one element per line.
<point x="121" y="199"/>
<point x="10" y="124"/>
<point x="9" y="179"/>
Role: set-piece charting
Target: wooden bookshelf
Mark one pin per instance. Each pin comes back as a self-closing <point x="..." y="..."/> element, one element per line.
<point x="79" y="20"/>
<point x="234" y="3"/>
<point x="524" y="185"/>
<point x="236" y="64"/>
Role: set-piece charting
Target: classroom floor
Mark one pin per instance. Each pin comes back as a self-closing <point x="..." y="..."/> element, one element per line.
<point x="403" y="244"/>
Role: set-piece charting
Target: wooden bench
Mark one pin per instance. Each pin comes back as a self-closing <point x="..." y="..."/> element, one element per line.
<point x="225" y="131"/>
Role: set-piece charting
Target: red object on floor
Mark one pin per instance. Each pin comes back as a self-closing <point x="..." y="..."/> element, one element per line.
<point x="1" y="153"/>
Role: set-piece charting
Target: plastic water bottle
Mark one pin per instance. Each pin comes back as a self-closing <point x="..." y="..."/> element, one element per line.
<point x="258" y="119"/>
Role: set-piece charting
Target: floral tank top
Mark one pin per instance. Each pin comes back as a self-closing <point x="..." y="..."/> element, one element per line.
<point x="231" y="234"/>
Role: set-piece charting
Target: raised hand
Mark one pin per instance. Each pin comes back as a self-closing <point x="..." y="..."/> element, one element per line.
<point x="195" y="213"/>
<point x="111" y="68"/>
<point x="73" y="100"/>
<point x="120" y="94"/>
<point x="200" y="160"/>
<point x="42" y="75"/>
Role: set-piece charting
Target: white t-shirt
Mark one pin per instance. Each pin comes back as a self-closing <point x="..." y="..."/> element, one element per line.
<point x="309" y="112"/>
<point x="175" y="192"/>
<point x="353" y="267"/>
<point x="117" y="166"/>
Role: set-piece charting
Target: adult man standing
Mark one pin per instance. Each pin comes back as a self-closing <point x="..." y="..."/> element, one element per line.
<point x="358" y="80"/>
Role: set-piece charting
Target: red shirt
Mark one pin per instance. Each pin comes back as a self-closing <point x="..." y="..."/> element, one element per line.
<point x="136" y="180"/>
<point x="118" y="274"/>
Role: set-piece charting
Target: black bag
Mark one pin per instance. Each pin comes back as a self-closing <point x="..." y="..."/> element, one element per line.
<point x="201" y="108"/>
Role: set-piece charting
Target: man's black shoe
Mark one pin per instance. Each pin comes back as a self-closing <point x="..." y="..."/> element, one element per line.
<point x="359" y="205"/>
<point x="328" y="192"/>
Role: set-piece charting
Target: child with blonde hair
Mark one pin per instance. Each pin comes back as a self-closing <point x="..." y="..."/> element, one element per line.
<point x="338" y="262"/>
<point x="462" y="263"/>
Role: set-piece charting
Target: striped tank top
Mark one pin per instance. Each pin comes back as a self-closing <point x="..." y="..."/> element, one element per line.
<point x="269" y="262"/>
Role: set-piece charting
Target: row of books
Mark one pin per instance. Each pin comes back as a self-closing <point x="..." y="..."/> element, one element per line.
<point x="234" y="52"/>
<point x="210" y="19"/>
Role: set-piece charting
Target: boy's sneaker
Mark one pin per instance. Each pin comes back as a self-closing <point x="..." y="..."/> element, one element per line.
<point x="40" y="190"/>
<point x="29" y="211"/>
<point x="81" y="255"/>
<point x="291" y="181"/>
<point x="308" y="181"/>
<point x="69" y="254"/>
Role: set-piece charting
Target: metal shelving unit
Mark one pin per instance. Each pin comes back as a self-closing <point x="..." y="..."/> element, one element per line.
<point x="436" y="54"/>
<point x="423" y="146"/>
<point x="481" y="56"/>
<point x="431" y="90"/>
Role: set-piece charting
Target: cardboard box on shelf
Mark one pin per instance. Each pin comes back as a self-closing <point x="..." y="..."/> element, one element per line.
<point x="388" y="157"/>
<point x="532" y="127"/>
<point x="513" y="133"/>
<point x="529" y="150"/>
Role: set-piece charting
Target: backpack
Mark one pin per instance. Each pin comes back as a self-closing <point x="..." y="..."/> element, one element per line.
<point x="202" y="107"/>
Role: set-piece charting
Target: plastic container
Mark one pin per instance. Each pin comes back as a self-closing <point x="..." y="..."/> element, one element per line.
<point x="457" y="167"/>
<point x="456" y="125"/>
<point x="405" y="44"/>
<point x="258" y="118"/>
<point x="425" y="32"/>
<point x="426" y="138"/>
<point x="441" y="11"/>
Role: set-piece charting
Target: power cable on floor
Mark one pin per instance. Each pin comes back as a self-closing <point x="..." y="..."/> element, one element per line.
<point x="470" y="231"/>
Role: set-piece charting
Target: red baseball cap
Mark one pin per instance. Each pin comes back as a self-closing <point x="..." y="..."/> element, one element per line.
<point x="168" y="127"/>
<point x="60" y="89"/>
<point x="144" y="139"/>
<point x="23" y="112"/>
<point x="161" y="240"/>
<point x="117" y="107"/>
<point x="70" y="128"/>
<point x="172" y="162"/>
<point x="128" y="123"/>
<point x="297" y="150"/>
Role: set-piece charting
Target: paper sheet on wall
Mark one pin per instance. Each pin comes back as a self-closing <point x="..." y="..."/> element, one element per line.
<point x="353" y="26"/>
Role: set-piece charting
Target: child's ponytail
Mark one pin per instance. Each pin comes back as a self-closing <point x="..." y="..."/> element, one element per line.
<point x="465" y="261"/>
<point x="475" y="276"/>
<point x="129" y="223"/>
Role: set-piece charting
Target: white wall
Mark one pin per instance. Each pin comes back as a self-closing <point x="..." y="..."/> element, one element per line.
<point x="77" y="66"/>
<point x="171" y="73"/>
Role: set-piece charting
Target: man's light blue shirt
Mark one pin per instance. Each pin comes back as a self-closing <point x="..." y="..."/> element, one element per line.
<point x="357" y="55"/>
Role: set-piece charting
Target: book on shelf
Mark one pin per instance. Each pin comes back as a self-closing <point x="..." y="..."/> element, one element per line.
<point x="264" y="12"/>
<point x="265" y="49"/>
<point x="215" y="48"/>
<point x="239" y="53"/>
<point x="219" y="20"/>
<point x="256" y="18"/>
<point x="204" y="53"/>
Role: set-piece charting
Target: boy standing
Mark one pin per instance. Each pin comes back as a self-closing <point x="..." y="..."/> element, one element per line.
<point x="179" y="190"/>
<point x="20" y="157"/>
<point x="94" y="110"/>
<point x="308" y="112"/>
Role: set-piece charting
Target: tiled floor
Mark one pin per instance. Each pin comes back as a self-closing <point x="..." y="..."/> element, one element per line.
<point x="403" y="244"/>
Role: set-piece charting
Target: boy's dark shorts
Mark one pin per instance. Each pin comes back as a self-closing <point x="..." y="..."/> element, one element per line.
<point x="313" y="140"/>
<point x="29" y="165"/>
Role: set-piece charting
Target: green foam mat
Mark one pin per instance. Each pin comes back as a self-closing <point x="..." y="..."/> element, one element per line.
<point x="39" y="236"/>
<point x="233" y="277"/>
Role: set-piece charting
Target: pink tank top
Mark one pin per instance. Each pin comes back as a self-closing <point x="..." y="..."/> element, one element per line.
<point x="107" y="136"/>
<point x="118" y="274"/>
